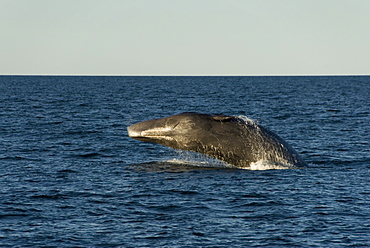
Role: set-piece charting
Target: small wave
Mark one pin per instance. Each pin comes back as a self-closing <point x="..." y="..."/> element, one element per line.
<point x="88" y="155"/>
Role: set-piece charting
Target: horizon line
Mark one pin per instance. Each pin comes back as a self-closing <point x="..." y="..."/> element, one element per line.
<point x="189" y="75"/>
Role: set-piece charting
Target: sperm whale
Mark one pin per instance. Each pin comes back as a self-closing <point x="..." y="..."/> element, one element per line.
<point x="235" y="140"/>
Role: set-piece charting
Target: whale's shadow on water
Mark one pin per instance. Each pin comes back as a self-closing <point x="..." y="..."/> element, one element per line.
<point x="187" y="161"/>
<point x="168" y="166"/>
<point x="183" y="166"/>
<point x="183" y="161"/>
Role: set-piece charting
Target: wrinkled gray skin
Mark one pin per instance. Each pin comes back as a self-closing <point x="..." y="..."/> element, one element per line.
<point x="228" y="138"/>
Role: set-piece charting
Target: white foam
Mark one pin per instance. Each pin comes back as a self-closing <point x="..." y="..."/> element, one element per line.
<point x="259" y="165"/>
<point x="201" y="160"/>
<point x="198" y="160"/>
<point x="268" y="165"/>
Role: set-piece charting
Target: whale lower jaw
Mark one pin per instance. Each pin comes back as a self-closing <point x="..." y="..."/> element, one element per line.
<point x="154" y="133"/>
<point x="152" y="138"/>
<point x="148" y="137"/>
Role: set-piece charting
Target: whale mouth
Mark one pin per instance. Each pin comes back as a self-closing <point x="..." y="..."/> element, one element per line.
<point x="149" y="134"/>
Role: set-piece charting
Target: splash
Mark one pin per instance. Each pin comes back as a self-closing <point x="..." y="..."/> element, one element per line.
<point x="198" y="160"/>
<point x="192" y="159"/>
<point x="247" y="120"/>
<point x="268" y="165"/>
<point x="279" y="152"/>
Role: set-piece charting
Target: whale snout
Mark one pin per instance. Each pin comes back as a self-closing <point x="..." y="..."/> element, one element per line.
<point x="149" y="131"/>
<point x="133" y="131"/>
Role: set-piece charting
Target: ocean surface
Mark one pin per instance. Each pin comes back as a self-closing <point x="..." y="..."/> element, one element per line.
<point x="71" y="177"/>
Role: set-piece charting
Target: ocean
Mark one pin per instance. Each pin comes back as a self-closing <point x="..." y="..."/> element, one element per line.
<point x="71" y="177"/>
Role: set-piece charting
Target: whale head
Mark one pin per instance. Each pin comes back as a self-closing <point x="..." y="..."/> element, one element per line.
<point x="186" y="131"/>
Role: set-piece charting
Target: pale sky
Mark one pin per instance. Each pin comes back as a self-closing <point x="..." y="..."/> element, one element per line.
<point x="185" y="37"/>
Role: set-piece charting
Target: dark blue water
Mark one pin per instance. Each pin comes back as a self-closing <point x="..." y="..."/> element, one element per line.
<point x="70" y="175"/>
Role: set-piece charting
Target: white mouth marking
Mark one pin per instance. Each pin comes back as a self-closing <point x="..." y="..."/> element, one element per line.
<point x="159" y="133"/>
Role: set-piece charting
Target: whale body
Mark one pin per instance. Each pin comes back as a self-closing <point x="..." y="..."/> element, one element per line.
<point x="235" y="140"/>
